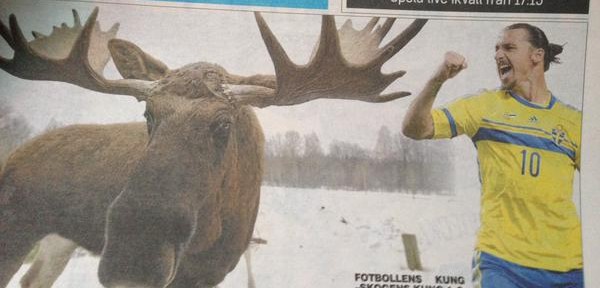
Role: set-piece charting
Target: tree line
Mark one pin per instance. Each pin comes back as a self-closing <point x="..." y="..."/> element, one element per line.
<point x="395" y="164"/>
<point x="14" y="130"/>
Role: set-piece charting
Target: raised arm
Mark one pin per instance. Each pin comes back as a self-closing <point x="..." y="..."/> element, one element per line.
<point x="418" y="123"/>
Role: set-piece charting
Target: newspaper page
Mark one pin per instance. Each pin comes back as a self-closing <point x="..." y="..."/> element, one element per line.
<point x="136" y="160"/>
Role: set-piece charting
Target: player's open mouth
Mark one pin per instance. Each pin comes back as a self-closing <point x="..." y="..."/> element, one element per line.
<point x="504" y="69"/>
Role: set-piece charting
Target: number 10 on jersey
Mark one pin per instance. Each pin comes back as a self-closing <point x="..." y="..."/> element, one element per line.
<point x="530" y="163"/>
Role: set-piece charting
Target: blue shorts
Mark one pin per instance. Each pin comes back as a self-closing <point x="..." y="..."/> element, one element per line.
<point x="492" y="272"/>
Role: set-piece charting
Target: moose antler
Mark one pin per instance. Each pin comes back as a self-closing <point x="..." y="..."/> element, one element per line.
<point x="64" y="56"/>
<point x="346" y="65"/>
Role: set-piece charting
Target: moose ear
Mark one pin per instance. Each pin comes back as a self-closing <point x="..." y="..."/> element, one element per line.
<point x="133" y="63"/>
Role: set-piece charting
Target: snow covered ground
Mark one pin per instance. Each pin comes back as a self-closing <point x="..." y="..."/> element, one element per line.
<point x="321" y="238"/>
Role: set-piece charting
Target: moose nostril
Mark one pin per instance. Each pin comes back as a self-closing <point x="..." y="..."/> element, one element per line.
<point x="137" y="267"/>
<point x="131" y="285"/>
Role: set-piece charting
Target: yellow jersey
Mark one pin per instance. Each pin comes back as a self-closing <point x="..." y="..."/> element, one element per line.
<point x="527" y="156"/>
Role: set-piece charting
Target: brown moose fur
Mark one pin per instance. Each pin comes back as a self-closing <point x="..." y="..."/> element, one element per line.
<point x="37" y="198"/>
<point x="172" y="201"/>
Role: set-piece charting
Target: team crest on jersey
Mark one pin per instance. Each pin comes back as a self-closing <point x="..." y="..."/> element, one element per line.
<point x="559" y="135"/>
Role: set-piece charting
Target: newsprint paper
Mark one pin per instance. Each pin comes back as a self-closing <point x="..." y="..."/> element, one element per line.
<point x="346" y="199"/>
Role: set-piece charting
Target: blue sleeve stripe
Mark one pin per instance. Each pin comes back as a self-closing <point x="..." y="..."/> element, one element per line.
<point x="452" y="122"/>
<point x="521" y="140"/>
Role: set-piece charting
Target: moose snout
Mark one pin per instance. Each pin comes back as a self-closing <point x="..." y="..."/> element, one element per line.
<point x="143" y="269"/>
<point x="139" y="260"/>
<point x="143" y="243"/>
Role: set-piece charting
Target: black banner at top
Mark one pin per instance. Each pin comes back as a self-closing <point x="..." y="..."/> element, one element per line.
<point x="502" y="6"/>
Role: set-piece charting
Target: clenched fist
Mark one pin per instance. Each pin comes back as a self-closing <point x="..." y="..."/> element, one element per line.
<point x="453" y="64"/>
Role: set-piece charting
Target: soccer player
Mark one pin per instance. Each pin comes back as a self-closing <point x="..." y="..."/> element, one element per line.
<point x="528" y="147"/>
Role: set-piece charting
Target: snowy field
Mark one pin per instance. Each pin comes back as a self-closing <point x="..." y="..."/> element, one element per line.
<point x="321" y="238"/>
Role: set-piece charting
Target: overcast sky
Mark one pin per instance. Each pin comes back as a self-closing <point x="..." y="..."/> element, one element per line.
<point x="180" y="36"/>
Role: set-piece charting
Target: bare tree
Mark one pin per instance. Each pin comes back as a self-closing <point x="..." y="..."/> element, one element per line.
<point x="312" y="170"/>
<point x="384" y="147"/>
<point x="13" y="131"/>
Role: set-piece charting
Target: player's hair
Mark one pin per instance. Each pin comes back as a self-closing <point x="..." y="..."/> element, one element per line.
<point x="538" y="39"/>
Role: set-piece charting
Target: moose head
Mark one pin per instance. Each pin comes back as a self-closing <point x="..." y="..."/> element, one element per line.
<point x="186" y="211"/>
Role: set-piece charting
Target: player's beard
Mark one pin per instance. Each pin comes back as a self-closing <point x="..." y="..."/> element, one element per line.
<point x="520" y="84"/>
<point x="507" y="85"/>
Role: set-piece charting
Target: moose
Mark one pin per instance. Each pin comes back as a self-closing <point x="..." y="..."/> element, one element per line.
<point x="54" y="253"/>
<point x="171" y="202"/>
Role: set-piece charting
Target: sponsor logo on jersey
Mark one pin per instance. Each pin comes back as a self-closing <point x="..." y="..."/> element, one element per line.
<point x="533" y="119"/>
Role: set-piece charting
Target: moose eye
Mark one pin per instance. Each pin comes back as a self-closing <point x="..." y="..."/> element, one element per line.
<point x="220" y="131"/>
<point x="147" y="115"/>
<point x="212" y="75"/>
<point x="149" y="121"/>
